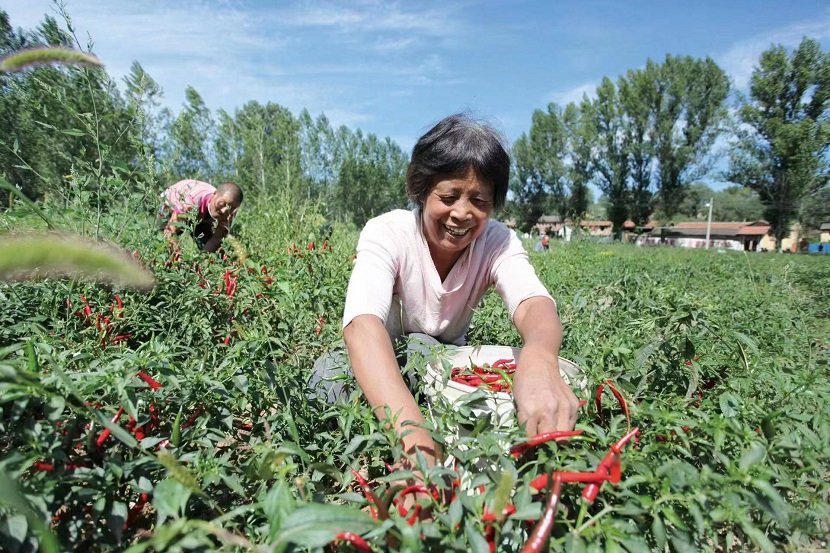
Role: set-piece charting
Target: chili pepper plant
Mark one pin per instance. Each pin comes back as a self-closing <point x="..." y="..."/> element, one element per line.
<point x="178" y="419"/>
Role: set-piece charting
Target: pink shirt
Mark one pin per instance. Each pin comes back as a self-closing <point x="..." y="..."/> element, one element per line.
<point x="395" y="279"/>
<point x="189" y="193"/>
<point x="186" y="194"/>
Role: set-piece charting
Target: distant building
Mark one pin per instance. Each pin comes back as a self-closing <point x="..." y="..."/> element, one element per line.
<point x="824" y="229"/>
<point x="745" y="235"/>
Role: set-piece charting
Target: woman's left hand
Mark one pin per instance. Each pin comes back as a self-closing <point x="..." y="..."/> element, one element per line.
<point x="544" y="401"/>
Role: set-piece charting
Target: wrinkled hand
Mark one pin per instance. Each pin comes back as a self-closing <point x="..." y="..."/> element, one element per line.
<point x="545" y="402"/>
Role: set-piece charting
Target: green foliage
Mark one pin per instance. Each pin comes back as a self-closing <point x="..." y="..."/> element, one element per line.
<point x="611" y="162"/>
<point x="733" y="203"/>
<point x="539" y="184"/>
<point x="785" y="135"/>
<point x="689" y="111"/>
<point x="723" y="359"/>
<point x="707" y="348"/>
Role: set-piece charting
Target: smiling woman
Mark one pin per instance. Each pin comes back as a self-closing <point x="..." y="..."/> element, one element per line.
<point x="421" y="273"/>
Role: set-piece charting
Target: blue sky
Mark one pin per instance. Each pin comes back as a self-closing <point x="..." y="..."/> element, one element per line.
<point x="395" y="68"/>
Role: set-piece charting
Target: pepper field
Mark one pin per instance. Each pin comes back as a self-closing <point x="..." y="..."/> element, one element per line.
<point x="177" y="420"/>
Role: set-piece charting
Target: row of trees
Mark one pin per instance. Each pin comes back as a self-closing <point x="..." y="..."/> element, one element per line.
<point x="643" y="140"/>
<point x="54" y="119"/>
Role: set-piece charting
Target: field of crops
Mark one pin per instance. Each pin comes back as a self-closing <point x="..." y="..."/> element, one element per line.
<point x="177" y="419"/>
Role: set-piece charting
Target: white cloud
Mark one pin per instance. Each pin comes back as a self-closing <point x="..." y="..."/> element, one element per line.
<point x="306" y="54"/>
<point x="740" y="60"/>
<point x="362" y="17"/>
<point x="575" y="94"/>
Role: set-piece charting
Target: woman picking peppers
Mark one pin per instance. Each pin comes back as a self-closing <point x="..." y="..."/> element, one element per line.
<point x="424" y="271"/>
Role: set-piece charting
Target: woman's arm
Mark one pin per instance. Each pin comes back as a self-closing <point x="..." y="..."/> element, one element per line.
<point x="170" y="233"/>
<point x="215" y="240"/>
<point x="545" y="402"/>
<point x="376" y="369"/>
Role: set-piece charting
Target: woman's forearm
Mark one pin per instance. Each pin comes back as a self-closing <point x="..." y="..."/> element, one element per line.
<point x="379" y="376"/>
<point x="545" y="401"/>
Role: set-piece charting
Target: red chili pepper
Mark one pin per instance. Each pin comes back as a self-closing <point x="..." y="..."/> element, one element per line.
<point x="487" y="516"/>
<point x="416" y="512"/>
<point x="120" y="338"/>
<point x="623" y="403"/>
<point x="135" y="510"/>
<point x="558" y="436"/>
<point x="154" y="385"/>
<point x="310" y="246"/>
<point x="189" y="422"/>
<point x="106" y="433"/>
<point x="541" y="532"/>
<point x="358" y="542"/>
<point x="118" y="302"/>
<point x="378" y="509"/>
<point x="87" y="310"/>
<point x="542" y="481"/>
<point x="49" y="467"/>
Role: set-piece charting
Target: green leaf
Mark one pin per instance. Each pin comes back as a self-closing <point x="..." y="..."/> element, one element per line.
<point x="757" y="536"/>
<point x="658" y="530"/>
<point x="574" y="543"/>
<point x="455" y="512"/>
<point x="503" y="492"/>
<point x="170" y="498"/>
<point x="116" y="518"/>
<point x="316" y="525"/>
<point x="15" y="527"/>
<point x="116" y="430"/>
<point x="11" y="497"/>
<point x="475" y="540"/>
<point x="755" y="454"/>
<point x="31" y="57"/>
<point x="728" y="404"/>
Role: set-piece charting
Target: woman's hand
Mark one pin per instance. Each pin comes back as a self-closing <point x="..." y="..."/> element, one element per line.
<point x="544" y="401"/>
<point x="379" y="376"/>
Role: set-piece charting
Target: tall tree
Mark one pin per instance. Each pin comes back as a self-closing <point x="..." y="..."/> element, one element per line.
<point x="318" y="149"/>
<point x="191" y="137"/>
<point x="638" y="92"/>
<point x="371" y="179"/>
<point x="270" y="161"/>
<point x="782" y="149"/>
<point x="228" y="147"/>
<point x="611" y="161"/>
<point x="689" y="110"/>
<point x="540" y="169"/>
<point x="579" y="174"/>
<point x="143" y="96"/>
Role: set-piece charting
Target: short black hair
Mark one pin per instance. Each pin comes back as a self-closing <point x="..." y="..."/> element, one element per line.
<point x="233" y="191"/>
<point x="455" y="145"/>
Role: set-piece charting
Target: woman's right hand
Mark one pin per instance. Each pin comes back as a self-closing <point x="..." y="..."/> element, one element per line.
<point x="379" y="376"/>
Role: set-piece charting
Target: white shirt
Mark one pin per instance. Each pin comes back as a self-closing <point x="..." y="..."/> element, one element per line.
<point x="395" y="279"/>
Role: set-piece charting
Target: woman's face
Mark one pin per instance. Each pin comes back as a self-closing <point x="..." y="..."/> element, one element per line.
<point x="221" y="207"/>
<point x="455" y="213"/>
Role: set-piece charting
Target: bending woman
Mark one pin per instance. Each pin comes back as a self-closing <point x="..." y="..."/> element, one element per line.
<point x="426" y="270"/>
